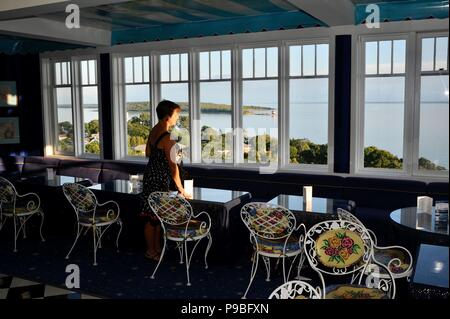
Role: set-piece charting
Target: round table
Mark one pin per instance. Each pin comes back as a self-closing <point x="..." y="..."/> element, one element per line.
<point x="421" y="227"/>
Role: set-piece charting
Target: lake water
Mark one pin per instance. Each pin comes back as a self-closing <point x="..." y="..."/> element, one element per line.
<point x="384" y="128"/>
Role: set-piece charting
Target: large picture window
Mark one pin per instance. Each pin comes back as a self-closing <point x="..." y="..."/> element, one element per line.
<point x="137" y="103"/>
<point x="384" y="104"/>
<point x="308" y="104"/>
<point x="434" y="108"/>
<point x="216" y="107"/>
<point x="260" y="105"/>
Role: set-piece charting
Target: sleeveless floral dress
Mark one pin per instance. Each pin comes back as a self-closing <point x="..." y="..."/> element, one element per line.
<point x="157" y="178"/>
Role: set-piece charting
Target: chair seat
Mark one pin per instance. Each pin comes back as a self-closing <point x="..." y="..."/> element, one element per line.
<point x="194" y="231"/>
<point x="354" y="292"/>
<point x="20" y="211"/>
<point x="101" y="217"/>
<point x="384" y="256"/>
<point x="276" y="246"/>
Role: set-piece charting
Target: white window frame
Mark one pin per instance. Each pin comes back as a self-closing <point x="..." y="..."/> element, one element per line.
<point x="360" y="100"/>
<point x="285" y="156"/>
<point x="50" y="106"/>
<point x="417" y="90"/>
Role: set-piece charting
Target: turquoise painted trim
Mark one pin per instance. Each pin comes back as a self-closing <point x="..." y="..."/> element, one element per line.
<point x="401" y="10"/>
<point x="268" y="22"/>
<point x="18" y="45"/>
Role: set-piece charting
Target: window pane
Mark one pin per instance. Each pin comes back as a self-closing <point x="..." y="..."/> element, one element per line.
<point x="260" y="121"/>
<point x="91" y="120"/>
<point x="216" y="125"/>
<point x="64" y="73"/>
<point x="69" y="76"/>
<point x="179" y="93"/>
<point x="441" y="53"/>
<point x="215" y="65"/>
<point x="174" y="67"/>
<point x="164" y="66"/>
<point x="146" y="69"/>
<point x="260" y="63"/>
<point x="295" y="56"/>
<point x="92" y="72"/>
<point x="272" y="62"/>
<point x="322" y="59"/>
<point x="308" y="121"/>
<point x="385" y="57"/>
<point x="204" y="65"/>
<point x="427" y="54"/>
<point x="434" y="115"/>
<point x="226" y="64"/>
<point x="383" y="122"/>
<point x="309" y="60"/>
<point x="399" y="56"/>
<point x="64" y="120"/>
<point x="247" y="63"/>
<point x="129" y="70"/>
<point x="138" y="69"/>
<point x="57" y="73"/>
<point x="84" y="73"/>
<point x="137" y="101"/>
<point x="184" y="67"/>
<point x="371" y="57"/>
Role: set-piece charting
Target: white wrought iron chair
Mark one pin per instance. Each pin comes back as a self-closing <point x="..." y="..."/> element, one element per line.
<point x="342" y="248"/>
<point x="91" y="214"/>
<point x="180" y="225"/>
<point x="18" y="207"/>
<point x="272" y="235"/>
<point x="397" y="258"/>
<point x="296" y="289"/>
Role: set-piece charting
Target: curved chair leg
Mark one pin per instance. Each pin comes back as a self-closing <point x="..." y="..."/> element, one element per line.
<point x="253" y="273"/>
<point x="160" y="258"/>
<point x="94" y="232"/>
<point x="15" y="234"/>
<point x="118" y="234"/>
<point x="188" y="260"/>
<point x="42" y="224"/>
<point x="207" y="249"/>
<point x="181" y="252"/>
<point x="267" y="264"/>
<point x="75" y="242"/>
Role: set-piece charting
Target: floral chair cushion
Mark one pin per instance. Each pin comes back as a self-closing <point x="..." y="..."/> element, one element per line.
<point x="276" y="246"/>
<point x="194" y="229"/>
<point x="339" y="248"/>
<point x="172" y="211"/>
<point x="354" y="292"/>
<point x="101" y="216"/>
<point x="268" y="221"/>
<point x="384" y="256"/>
<point x="80" y="197"/>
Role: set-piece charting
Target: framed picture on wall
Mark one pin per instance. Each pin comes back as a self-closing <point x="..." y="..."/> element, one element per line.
<point x="8" y="94"/>
<point x="9" y="130"/>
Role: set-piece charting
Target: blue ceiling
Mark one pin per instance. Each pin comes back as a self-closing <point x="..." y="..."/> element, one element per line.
<point x="150" y="20"/>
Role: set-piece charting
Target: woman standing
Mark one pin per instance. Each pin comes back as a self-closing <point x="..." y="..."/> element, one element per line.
<point x="160" y="171"/>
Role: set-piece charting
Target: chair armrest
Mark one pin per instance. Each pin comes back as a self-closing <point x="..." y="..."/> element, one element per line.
<point x="111" y="210"/>
<point x="32" y="199"/>
<point x="396" y="261"/>
<point x="204" y="224"/>
<point x="373" y="236"/>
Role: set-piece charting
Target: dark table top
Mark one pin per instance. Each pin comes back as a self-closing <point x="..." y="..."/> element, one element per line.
<point x="56" y="181"/>
<point x="327" y="206"/>
<point x="432" y="266"/>
<point x="412" y="218"/>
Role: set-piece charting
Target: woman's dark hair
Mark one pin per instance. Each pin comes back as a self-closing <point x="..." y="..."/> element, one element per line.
<point x="166" y="108"/>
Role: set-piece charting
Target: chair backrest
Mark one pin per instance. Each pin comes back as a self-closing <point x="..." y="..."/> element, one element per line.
<point x="171" y="208"/>
<point x="268" y="221"/>
<point x="7" y="192"/>
<point x="346" y="215"/>
<point x="338" y="247"/>
<point x="80" y="197"/>
<point x="296" y="289"/>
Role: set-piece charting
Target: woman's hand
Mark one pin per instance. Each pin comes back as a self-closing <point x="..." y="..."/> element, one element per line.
<point x="184" y="194"/>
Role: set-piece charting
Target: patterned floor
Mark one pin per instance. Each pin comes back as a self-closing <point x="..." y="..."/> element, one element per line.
<point x="14" y="288"/>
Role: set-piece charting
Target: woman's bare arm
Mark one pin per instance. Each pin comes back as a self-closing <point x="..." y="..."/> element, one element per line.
<point x="170" y="152"/>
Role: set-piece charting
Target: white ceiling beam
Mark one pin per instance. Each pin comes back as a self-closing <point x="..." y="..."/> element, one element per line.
<point x="331" y="12"/>
<point x="14" y="9"/>
<point x="56" y="31"/>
